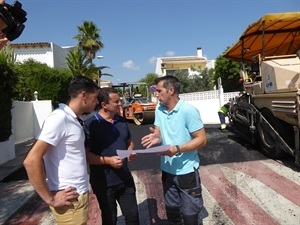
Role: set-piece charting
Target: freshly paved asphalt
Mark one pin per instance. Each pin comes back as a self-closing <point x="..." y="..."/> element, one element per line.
<point x="240" y="186"/>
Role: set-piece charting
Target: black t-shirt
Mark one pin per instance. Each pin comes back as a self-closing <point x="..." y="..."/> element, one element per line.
<point x="104" y="138"/>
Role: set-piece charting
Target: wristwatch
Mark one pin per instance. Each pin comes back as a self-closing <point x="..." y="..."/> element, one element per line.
<point x="178" y="150"/>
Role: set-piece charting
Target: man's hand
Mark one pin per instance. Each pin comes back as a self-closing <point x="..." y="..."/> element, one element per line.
<point x="3" y="42"/>
<point x="115" y="162"/>
<point x="132" y="156"/>
<point x="152" y="138"/>
<point x="3" y="39"/>
<point x="63" y="197"/>
<point x="170" y="152"/>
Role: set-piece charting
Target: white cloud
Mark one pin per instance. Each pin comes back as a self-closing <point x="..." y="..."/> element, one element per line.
<point x="170" y="53"/>
<point x="152" y="60"/>
<point x="130" y="65"/>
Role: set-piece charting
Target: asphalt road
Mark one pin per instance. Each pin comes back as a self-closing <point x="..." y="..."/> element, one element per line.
<point x="240" y="185"/>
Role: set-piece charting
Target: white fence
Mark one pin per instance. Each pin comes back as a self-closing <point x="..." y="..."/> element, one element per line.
<point x="28" y="117"/>
<point x="208" y="103"/>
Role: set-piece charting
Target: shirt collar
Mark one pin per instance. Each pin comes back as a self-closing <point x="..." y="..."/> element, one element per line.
<point x="101" y="119"/>
<point x="67" y="109"/>
<point x="176" y="108"/>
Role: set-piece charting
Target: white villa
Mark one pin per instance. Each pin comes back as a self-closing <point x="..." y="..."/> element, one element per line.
<point x="45" y="52"/>
<point x="191" y="64"/>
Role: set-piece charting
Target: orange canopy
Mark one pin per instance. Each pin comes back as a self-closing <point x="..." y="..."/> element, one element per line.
<point x="272" y="35"/>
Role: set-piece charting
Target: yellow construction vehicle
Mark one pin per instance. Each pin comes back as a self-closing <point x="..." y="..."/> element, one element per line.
<point x="137" y="105"/>
<point x="267" y="112"/>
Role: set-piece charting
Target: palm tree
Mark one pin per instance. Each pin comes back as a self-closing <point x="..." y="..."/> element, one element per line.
<point x="89" y="39"/>
<point x="96" y="72"/>
<point x="78" y="64"/>
<point x="89" y="42"/>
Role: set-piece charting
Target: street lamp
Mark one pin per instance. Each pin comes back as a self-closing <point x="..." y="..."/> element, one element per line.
<point x="35" y="95"/>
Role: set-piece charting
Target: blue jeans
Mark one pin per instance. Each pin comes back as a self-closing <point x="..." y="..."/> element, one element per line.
<point x="124" y="194"/>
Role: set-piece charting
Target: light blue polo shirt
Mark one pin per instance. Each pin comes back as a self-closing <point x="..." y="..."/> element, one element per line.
<point x="176" y="127"/>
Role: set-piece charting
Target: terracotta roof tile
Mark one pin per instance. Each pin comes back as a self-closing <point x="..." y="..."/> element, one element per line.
<point x="182" y="59"/>
<point x="34" y="44"/>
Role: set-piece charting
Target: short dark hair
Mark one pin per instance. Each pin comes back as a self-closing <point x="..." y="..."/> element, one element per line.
<point x="104" y="95"/>
<point x="81" y="83"/>
<point x="168" y="82"/>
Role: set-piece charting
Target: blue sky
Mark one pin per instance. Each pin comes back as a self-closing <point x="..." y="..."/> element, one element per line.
<point x="136" y="32"/>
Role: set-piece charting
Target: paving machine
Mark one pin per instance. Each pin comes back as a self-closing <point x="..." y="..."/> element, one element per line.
<point x="136" y="102"/>
<point x="267" y="112"/>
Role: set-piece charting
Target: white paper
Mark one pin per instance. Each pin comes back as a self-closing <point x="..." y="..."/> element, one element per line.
<point x="125" y="153"/>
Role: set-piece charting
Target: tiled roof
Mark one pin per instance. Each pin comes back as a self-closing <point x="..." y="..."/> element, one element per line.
<point x="32" y="45"/>
<point x="182" y="59"/>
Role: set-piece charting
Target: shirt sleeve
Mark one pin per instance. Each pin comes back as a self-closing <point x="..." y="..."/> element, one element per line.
<point x="53" y="129"/>
<point x="193" y="119"/>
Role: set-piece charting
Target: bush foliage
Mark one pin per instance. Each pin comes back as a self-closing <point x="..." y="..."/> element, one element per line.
<point x="8" y="80"/>
<point x="50" y="83"/>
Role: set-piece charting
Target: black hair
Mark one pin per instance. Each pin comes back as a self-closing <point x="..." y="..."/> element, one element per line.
<point x="168" y="82"/>
<point x="104" y="95"/>
<point x="81" y="83"/>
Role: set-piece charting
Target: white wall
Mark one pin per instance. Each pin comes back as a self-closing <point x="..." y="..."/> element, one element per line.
<point x="7" y="150"/>
<point x="208" y="110"/>
<point x="41" y="110"/>
<point x="41" y="54"/>
<point x="47" y="52"/>
<point x="22" y="122"/>
<point x="27" y="120"/>
<point x="59" y="55"/>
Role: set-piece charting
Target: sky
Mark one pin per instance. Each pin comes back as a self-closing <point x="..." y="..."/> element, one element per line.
<point x="136" y="32"/>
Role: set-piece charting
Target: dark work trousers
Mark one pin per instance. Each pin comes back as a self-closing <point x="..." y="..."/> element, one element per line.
<point x="183" y="198"/>
<point x="124" y="194"/>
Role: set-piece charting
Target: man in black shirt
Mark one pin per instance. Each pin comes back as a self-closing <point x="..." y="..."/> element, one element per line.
<point x="110" y="177"/>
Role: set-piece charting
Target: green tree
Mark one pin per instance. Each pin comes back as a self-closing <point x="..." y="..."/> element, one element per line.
<point x="8" y="80"/>
<point x="50" y="83"/>
<point x="100" y="68"/>
<point x="89" y="39"/>
<point x="9" y="54"/>
<point x="203" y="82"/>
<point x="187" y="85"/>
<point x="79" y="65"/>
<point x="229" y="72"/>
<point x="89" y="43"/>
<point x="149" y="79"/>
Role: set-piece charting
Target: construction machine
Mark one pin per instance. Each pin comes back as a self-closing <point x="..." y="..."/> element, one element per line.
<point x="267" y="112"/>
<point x="137" y="105"/>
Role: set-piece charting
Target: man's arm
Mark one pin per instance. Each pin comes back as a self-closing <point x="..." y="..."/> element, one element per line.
<point x="34" y="166"/>
<point x="199" y="140"/>
<point x="130" y="145"/>
<point x="93" y="159"/>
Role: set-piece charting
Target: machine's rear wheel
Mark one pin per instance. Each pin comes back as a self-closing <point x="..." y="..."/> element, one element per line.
<point x="143" y="118"/>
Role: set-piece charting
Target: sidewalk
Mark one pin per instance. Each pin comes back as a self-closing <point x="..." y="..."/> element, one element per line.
<point x="13" y="165"/>
<point x="20" y="204"/>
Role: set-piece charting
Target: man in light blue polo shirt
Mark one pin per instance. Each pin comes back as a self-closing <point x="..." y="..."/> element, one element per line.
<point x="178" y="124"/>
